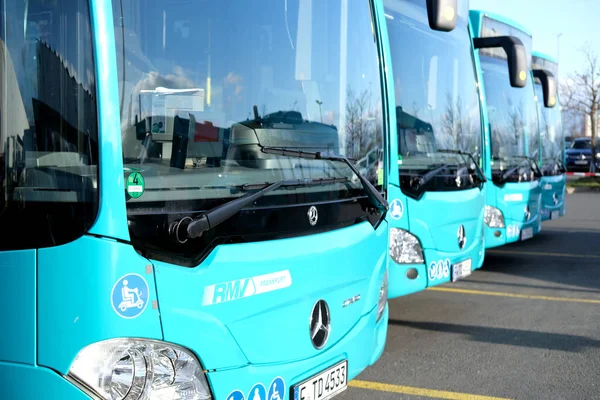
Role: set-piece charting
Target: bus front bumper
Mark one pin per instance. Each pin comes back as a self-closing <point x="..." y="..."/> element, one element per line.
<point x="513" y="231"/>
<point x="26" y="382"/>
<point x="361" y="348"/>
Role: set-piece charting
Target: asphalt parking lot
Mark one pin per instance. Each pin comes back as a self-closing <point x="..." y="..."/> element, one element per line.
<point x="525" y="326"/>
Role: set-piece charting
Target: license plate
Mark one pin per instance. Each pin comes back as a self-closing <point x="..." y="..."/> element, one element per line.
<point x="581" y="162"/>
<point x="324" y="385"/>
<point x="526" y="233"/>
<point x="461" y="270"/>
<point x="554" y="215"/>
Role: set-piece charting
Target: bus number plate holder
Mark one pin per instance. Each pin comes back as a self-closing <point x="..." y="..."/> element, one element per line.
<point x="526" y="233"/>
<point x="324" y="385"/>
<point x="461" y="270"/>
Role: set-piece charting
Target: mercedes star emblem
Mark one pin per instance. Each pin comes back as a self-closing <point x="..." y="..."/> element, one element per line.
<point x="555" y="199"/>
<point x="462" y="237"/>
<point x="319" y="324"/>
<point x="527" y="213"/>
<point x="313" y="215"/>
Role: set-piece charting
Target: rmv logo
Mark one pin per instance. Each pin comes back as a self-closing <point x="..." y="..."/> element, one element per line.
<point x="233" y="290"/>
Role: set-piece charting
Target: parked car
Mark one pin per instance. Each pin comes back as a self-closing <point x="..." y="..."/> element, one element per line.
<point x="579" y="155"/>
<point x="568" y="141"/>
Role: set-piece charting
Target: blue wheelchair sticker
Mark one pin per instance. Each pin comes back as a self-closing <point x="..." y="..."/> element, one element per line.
<point x="235" y="395"/>
<point x="258" y="392"/>
<point x="277" y="389"/>
<point x="130" y="296"/>
<point x="396" y="209"/>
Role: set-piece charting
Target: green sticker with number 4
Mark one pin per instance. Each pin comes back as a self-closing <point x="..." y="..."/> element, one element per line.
<point x="135" y="185"/>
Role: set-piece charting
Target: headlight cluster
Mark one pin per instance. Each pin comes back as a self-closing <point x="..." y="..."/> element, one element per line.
<point x="135" y="369"/>
<point x="405" y="247"/>
<point x="493" y="217"/>
<point x="383" y="296"/>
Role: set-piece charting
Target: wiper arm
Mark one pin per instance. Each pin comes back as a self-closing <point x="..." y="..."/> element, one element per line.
<point x="432" y="174"/>
<point x="191" y="228"/>
<point x="295" y="183"/>
<point x="535" y="167"/>
<point x="376" y="197"/>
<point x="464" y="153"/>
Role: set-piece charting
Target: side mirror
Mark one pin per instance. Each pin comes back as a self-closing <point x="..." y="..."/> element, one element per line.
<point x="515" y="52"/>
<point x="442" y="14"/>
<point x="548" y="86"/>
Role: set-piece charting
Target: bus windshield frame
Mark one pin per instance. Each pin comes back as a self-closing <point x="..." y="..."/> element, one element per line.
<point x="512" y="112"/>
<point x="438" y="110"/>
<point x="284" y="75"/>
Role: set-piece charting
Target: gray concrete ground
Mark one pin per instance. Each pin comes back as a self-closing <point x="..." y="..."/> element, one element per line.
<point x="525" y="326"/>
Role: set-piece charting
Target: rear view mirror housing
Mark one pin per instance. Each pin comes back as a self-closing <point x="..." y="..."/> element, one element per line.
<point x="516" y="55"/>
<point x="442" y="14"/>
<point x="548" y="86"/>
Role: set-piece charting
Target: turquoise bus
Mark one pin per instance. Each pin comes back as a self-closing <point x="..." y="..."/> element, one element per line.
<point x="552" y="139"/>
<point x="435" y="182"/>
<point x="513" y="190"/>
<point x="180" y="215"/>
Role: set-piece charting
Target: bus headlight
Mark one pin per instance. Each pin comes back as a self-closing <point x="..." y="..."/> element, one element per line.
<point x="405" y="247"/>
<point x="493" y="217"/>
<point x="137" y="369"/>
<point x="383" y="296"/>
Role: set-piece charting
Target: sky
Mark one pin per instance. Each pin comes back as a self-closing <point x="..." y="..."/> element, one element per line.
<point x="577" y="20"/>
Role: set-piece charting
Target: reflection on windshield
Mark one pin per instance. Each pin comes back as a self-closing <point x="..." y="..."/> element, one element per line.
<point x="436" y="92"/>
<point x="551" y="136"/>
<point x="201" y="89"/>
<point x="512" y="112"/>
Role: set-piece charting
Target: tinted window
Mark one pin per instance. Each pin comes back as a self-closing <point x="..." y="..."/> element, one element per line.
<point x="48" y="124"/>
<point x="436" y="95"/>
<point x="582" y="144"/>
<point x="205" y="86"/>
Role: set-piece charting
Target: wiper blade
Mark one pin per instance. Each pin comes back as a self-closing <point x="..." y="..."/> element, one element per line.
<point x="376" y="197"/>
<point x="191" y="228"/>
<point x="433" y="173"/>
<point x="464" y="153"/>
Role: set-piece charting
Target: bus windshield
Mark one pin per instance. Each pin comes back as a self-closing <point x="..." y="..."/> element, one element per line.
<point x="512" y="111"/>
<point x="551" y="130"/>
<point x="205" y="87"/>
<point x="438" y="112"/>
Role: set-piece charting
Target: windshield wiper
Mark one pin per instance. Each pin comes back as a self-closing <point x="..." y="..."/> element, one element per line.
<point x="433" y="173"/>
<point x="376" y="197"/>
<point x="191" y="228"/>
<point x="464" y="153"/>
<point x="295" y="183"/>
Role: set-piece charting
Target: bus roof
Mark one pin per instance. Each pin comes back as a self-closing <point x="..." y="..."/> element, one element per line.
<point x="544" y="56"/>
<point x="479" y="14"/>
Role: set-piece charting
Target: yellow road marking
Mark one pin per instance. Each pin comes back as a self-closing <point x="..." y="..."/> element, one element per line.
<point x="542" y="254"/>
<point x="436" y="394"/>
<point x="515" y="295"/>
